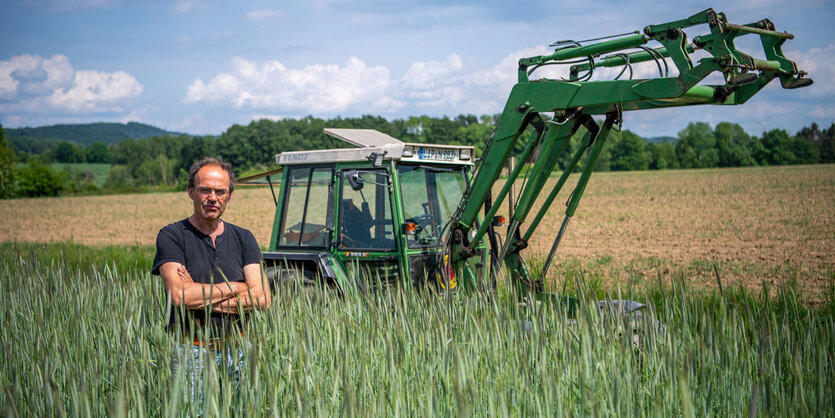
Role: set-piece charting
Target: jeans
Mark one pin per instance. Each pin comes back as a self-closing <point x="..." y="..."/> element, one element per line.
<point x="229" y="362"/>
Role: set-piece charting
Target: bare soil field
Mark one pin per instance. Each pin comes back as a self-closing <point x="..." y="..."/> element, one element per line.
<point x="772" y="225"/>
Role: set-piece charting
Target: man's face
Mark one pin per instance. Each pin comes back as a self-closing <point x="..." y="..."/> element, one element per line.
<point x="210" y="193"/>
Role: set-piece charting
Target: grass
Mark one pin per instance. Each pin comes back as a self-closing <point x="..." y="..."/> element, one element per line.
<point x="83" y="334"/>
<point x="96" y="171"/>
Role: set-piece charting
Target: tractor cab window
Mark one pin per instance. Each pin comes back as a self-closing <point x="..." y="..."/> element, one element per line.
<point x="365" y="218"/>
<point x="430" y="196"/>
<point x="308" y="208"/>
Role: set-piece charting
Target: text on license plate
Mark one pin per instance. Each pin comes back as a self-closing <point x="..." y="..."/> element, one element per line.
<point x="437" y="154"/>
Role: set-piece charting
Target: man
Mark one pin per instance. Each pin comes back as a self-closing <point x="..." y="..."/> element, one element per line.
<point x="210" y="267"/>
<point x="355" y="225"/>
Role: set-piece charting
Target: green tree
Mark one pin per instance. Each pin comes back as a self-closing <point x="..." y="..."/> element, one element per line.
<point x="663" y="156"/>
<point x="805" y="150"/>
<point x="778" y="147"/>
<point x="630" y="153"/>
<point x="696" y="147"/>
<point x="441" y="131"/>
<point x="37" y="179"/>
<point x="193" y="149"/>
<point x="79" y="181"/>
<point x="98" y="152"/>
<point x="811" y="144"/>
<point x="7" y="172"/>
<point x="822" y="140"/>
<point x="119" y="177"/>
<point x="157" y="171"/>
<point x="475" y="134"/>
<point x="734" y="145"/>
<point x="68" y="152"/>
<point x="826" y="145"/>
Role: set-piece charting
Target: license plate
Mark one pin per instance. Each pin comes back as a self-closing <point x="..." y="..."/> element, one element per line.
<point x="438" y="154"/>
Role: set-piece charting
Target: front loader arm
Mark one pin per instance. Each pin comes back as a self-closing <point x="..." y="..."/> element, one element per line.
<point x="570" y="103"/>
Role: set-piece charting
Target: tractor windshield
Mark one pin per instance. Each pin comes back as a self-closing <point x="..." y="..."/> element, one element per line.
<point x="430" y="196"/>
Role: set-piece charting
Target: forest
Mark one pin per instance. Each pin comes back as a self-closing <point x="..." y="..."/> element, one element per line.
<point x="160" y="162"/>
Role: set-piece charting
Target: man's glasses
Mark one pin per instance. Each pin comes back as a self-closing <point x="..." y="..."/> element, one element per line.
<point x="207" y="191"/>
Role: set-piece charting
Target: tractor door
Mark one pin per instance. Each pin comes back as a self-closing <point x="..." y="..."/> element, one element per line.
<point x="307" y="218"/>
<point x="304" y="227"/>
<point x="365" y="241"/>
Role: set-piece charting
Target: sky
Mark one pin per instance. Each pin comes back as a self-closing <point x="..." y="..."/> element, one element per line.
<point x="200" y="66"/>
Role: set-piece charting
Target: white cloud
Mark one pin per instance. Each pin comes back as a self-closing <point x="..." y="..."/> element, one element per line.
<point x="31" y="75"/>
<point x="433" y="83"/>
<point x="824" y="112"/>
<point x="437" y="86"/>
<point x="190" y="122"/>
<point x="70" y="5"/>
<point x="315" y="88"/>
<point x="820" y="64"/>
<point x="185" y="6"/>
<point x="30" y="84"/>
<point x="424" y="74"/>
<point x="265" y="15"/>
<point x="414" y="17"/>
<point x="451" y="86"/>
<point x="182" y="6"/>
<point x="505" y="74"/>
<point x="274" y="118"/>
<point x="93" y="90"/>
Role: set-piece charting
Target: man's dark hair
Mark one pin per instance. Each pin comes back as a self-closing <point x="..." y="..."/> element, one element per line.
<point x="192" y="172"/>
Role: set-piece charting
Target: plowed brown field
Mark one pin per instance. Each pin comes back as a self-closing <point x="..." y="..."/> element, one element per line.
<point x="773" y="225"/>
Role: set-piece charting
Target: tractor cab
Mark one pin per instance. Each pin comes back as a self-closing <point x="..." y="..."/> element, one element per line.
<point x="370" y="215"/>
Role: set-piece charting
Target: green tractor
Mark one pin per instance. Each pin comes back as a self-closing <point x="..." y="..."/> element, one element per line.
<point x="367" y="216"/>
<point x="422" y="214"/>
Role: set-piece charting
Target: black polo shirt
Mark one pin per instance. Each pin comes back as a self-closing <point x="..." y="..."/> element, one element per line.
<point x="183" y="243"/>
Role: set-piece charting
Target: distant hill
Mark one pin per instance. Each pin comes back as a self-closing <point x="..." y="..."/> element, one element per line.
<point x="85" y="134"/>
<point x="658" y="139"/>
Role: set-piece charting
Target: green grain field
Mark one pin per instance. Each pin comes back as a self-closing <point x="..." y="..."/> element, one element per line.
<point x="83" y="335"/>
<point x="736" y="267"/>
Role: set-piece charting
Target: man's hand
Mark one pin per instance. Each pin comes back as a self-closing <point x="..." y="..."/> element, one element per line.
<point x="236" y="288"/>
<point x="184" y="275"/>
<point x="255" y="295"/>
<point x="191" y="295"/>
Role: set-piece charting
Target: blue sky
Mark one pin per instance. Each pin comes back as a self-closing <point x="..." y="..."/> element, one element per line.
<point x="200" y="66"/>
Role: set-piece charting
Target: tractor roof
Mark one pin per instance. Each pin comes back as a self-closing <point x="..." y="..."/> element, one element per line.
<point x="372" y="143"/>
<point x="363" y="138"/>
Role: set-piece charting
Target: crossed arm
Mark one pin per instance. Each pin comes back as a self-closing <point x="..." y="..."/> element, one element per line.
<point x="231" y="297"/>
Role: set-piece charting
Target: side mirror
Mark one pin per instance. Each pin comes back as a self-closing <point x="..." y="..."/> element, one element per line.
<point x="354" y="180"/>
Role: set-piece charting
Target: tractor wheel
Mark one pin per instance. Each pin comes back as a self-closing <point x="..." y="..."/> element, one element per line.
<point x="295" y="279"/>
<point x="281" y="276"/>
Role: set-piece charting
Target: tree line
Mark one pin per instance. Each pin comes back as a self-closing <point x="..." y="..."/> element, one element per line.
<point x="83" y="134"/>
<point x="161" y="162"/>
